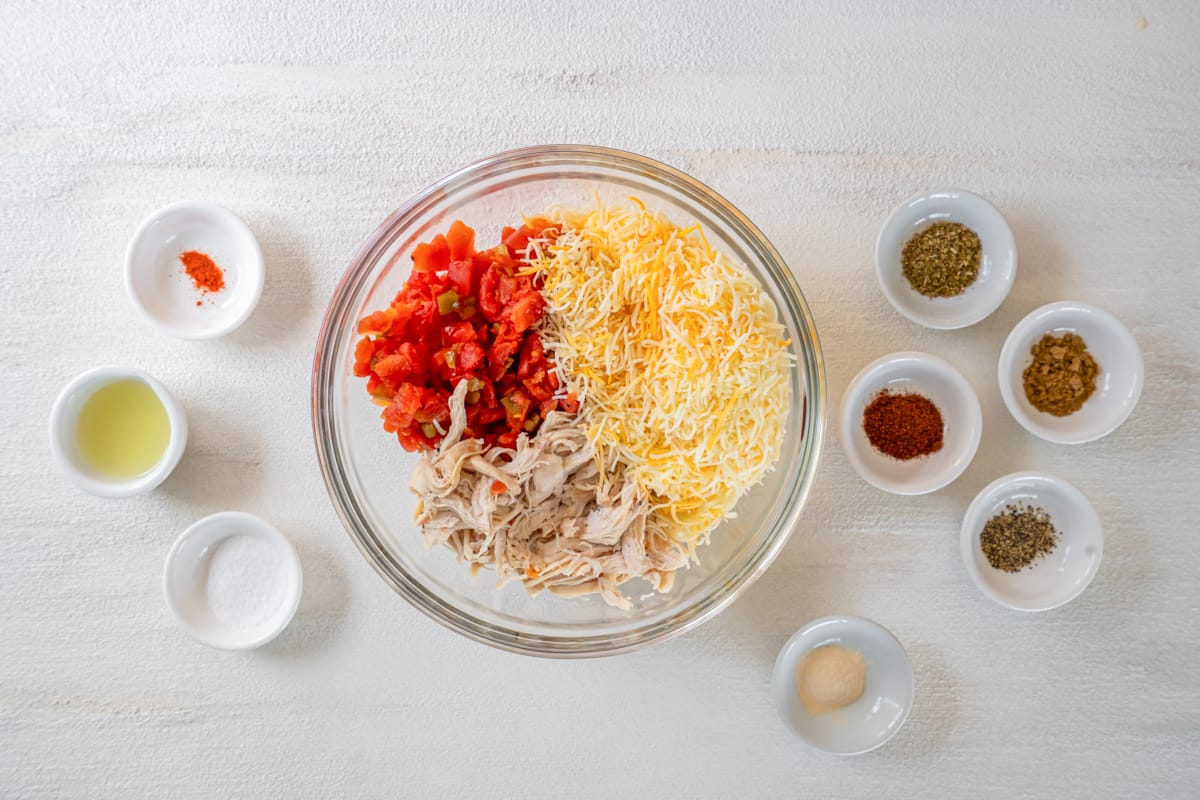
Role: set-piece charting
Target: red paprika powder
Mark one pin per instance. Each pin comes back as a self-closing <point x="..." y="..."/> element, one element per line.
<point x="903" y="426"/>
<point x="203" y="271"/>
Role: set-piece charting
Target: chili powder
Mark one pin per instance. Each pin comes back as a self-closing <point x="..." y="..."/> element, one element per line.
<point x="203" y="271"/>
<point x="903" y="425"/>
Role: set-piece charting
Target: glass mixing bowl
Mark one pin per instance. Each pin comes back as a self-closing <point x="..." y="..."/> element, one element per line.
<point x="367" y="471"/>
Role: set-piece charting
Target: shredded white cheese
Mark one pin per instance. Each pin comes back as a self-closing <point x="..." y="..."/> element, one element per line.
<point x="676" y="354"/>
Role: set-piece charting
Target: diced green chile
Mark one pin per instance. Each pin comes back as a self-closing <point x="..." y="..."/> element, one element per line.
<point x="447" y="301"/>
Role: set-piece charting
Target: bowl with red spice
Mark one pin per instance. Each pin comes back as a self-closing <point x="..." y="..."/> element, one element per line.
<point x="194" y="270"/>
<point x="910" y="423"/>
<point x="1070" y="373"/>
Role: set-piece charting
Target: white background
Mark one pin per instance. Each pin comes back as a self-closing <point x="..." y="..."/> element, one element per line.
<point x="313" y="120"/>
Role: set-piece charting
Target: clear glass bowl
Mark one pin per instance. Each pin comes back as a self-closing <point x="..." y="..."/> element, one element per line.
<point x="367" y="471"/>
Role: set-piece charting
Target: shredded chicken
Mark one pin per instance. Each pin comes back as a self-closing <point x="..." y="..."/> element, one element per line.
<point x="541" y="513"/>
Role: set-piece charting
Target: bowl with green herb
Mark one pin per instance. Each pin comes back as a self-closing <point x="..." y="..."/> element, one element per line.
<point x="946" y="259"/>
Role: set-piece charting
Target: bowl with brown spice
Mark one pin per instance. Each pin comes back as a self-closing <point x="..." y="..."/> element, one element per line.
<point x="910" y="423"/>
<point x="1031" y="541"/>
<point x="946" y="259"/>
<point x="1070" y="373"/>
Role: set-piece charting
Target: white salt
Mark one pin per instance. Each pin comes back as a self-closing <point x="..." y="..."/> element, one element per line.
<point x="246" y="581"/>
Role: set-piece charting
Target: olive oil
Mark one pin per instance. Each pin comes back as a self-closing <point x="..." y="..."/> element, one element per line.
<point x="123" y="429"/>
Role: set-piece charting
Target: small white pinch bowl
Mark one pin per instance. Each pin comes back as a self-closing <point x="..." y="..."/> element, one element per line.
<point x="186" y="573"/>
<point x="64" y="445"/>
<point x="866" y="723"/>
<point x="997" y="263"/>
<point x="161" y="290"/>
<point x="1118" y="386"/>
<point x="962" y="421"/>
<point x="1056" y="578"/>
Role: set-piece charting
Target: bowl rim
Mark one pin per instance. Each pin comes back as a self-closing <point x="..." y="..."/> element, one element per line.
<point x="969" y="533"/>
<point x="539" y="644"/>
<point x="960" y="198"/>
<point x="1044" y="317"/>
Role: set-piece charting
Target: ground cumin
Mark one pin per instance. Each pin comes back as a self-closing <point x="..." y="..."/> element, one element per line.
<point x="1062" y="376"/>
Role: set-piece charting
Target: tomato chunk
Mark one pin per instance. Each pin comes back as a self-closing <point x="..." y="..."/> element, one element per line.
<point x="461" y="241"/>
<point x="527" y="310"/>
<point x="464" y="276"/>
<point x="432" y="256"/>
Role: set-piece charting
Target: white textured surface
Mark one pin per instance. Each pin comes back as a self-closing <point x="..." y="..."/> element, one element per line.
<point x="313" y="120"/>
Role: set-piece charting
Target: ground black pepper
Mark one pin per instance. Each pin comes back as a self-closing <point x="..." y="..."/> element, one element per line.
<point x="1017" y="536"/>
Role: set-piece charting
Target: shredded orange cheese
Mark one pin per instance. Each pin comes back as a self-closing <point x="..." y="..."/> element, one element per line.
<point x="676" y="354"/>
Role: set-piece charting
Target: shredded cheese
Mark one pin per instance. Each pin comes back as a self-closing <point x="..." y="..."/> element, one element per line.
<point x="676" y="354"/>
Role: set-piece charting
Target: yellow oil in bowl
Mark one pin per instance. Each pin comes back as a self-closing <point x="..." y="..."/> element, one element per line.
<point x="123" y="429"/>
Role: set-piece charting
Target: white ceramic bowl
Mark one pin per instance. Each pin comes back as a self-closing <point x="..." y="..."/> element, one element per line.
<point x="185" y="580"/>
<point x="1056" y="578"/>
<point x="1118" y="386"/>
<point x="932" y="377"/>
<point x="997" y="264"/>
<point x="866" y="723"/>
<point x="64" y="446"/>
<point x="162" y="291"/>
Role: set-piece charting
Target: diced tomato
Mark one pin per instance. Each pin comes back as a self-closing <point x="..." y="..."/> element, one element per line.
<point x="487" y="395"/>
<point x="507" y="382"/>
<point x="464" y="276"/>
<point x="516" y="407"/>
<point x="393" y="369"/>
<point x="533" y="370"/>
<point x="504" y="349"/>
<point x="378" y="322"/>
<point x="461" y="240"/>
<point x="432" y="256"/>
<point x="363" y="351"/>
<point x="533" y="356"/>
<point x="457" y="332"/>
<point x="517" y="240"/>
<point x="470" y="356"/>
<point x="480" y="419"/>
<point x="506" y="292"/>
<point x="423" y="321"/>
<point x="396" y="416"/>
<point x="538" y="386"/>
<point x="527" y="310"/>
<point x="489" y="299"/>
<point x="462" y="315"/>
